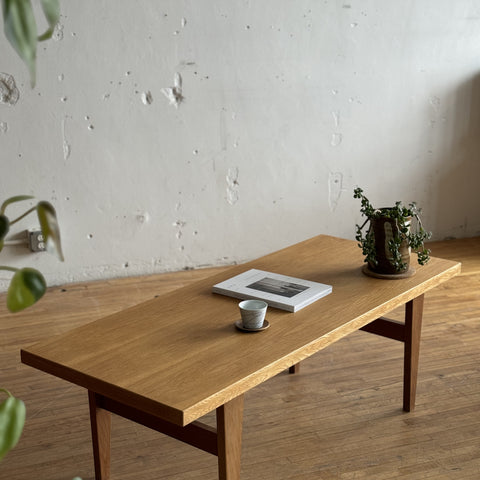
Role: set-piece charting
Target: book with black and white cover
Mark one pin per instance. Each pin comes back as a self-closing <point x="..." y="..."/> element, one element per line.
<point x="279" y="291"/>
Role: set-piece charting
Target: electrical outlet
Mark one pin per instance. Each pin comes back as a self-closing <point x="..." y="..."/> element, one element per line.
<point x="36" y="242"/>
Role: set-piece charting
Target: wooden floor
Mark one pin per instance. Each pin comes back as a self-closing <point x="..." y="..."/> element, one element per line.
<point x="340" y="418"/>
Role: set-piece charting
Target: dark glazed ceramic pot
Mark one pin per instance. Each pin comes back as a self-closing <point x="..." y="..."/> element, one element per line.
<point x="384" y="230"/>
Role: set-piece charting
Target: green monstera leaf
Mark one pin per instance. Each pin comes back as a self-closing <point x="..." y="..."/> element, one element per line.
<point x="12" y="419"/>
<point x="26" y="287"/>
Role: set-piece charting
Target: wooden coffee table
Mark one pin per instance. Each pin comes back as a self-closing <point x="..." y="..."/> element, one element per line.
<point x="167" y="362"/>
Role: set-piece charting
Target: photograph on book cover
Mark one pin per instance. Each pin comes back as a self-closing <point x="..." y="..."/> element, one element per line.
<point x="278" y="287"/>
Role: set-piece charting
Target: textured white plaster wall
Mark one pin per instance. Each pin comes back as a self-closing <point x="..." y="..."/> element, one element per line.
<point x="178" y="134"/>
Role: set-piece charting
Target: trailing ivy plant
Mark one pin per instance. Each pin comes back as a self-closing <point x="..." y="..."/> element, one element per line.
<point x="21" y="28"/>
<point x="402" y="216"/>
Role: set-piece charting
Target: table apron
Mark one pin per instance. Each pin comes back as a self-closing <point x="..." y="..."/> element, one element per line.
<point x="196" y="434"/>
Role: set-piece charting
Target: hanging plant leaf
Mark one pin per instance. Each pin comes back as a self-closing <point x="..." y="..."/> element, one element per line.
<point x="12" y="419"/>
<point x="16" y="198"/>
<point x="26" y="287"/>
<point x="21" y="31"/>
<point x="4" y="228"/>
<point x="51" y="10"/>
<point x="49" y="225"/>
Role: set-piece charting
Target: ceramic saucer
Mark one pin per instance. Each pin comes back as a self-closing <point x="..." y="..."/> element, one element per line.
<point x="239" y="325"/>
<point x="395" y="276"/>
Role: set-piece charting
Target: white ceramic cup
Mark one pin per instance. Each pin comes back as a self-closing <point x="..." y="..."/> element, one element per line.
<point x="253" y="313"/>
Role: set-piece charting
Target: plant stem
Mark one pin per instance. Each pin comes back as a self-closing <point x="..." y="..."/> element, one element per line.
<point x="10" y="269"/>
<point x="4" y="390"/>
<point x="23" y="216"/>
<point x="364" y="223"/>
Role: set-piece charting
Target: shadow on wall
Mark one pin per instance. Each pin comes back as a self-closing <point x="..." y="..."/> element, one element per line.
<point x="458" y="188"/>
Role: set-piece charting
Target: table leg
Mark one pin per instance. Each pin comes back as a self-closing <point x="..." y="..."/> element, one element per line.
<point x="294" y="368"/>
<point x="100" y="422"/>
<point x="229" y="438"/>
<point x="413" y="327"/>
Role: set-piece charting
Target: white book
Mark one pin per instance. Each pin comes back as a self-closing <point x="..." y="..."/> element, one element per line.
<point x="279" y="291"/>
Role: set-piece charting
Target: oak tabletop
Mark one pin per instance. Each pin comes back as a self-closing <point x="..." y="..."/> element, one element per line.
<point x="179" y="356"/>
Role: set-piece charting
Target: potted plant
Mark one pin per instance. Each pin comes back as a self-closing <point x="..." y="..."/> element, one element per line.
<point x="26" y="287"/>
<point x="392" y="233"/>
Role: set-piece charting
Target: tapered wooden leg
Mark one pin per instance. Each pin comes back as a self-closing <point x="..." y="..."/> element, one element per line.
<point x="294" y="368"/>
<point x="413" y="327"/>
<point x="229" y="438"/>
<point x="100" y="422"/>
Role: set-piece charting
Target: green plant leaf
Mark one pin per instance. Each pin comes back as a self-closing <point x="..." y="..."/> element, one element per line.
<point x="51" y="10"/>
<point x="12" y="420"/>
<point x="26" y="287"/>
<point x="16" y="198"/>
<point x="4" y="228"/>
<point x="50" y="229"/>
<point x="21" y="31"/>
